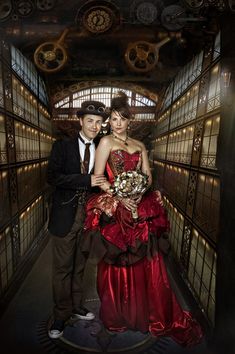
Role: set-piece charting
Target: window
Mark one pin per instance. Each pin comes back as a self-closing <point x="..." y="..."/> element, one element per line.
<point x="31" y="222"/>
<point x="202" y="272"/>
<point x="3" y="149"/>
<point x="105" y="94"/>
<point x="6" y="263"/>
<point x="214" y="89"/>
<point x="209" y="142"/>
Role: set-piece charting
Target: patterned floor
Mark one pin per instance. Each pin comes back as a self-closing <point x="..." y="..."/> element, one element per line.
<point x="90" y="337"/>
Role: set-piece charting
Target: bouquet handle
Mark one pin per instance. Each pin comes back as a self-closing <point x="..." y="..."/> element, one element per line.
<point x="134" y="214"/>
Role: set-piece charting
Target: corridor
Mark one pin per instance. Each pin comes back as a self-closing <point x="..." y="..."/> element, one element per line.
<point x="23" y="326"/>
<point x="175" y="64"/>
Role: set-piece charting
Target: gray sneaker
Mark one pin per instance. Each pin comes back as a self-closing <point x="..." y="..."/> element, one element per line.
<point x="83" y="314"/>
<point x="56" y="329"/>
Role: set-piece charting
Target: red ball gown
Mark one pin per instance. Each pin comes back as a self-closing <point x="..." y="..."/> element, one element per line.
<point x="132" y="281"/>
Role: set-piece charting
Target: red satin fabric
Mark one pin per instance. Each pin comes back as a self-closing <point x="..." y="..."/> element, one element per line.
<point x="124" y="233"/>
<point x="139" y="296"/>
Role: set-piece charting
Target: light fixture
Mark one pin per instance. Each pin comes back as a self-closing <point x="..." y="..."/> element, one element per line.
<point x="226" y="77"/>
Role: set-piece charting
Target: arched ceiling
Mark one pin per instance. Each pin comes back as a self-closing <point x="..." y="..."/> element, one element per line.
<point x="101" y="36"/>
<point x="133" y="42"/>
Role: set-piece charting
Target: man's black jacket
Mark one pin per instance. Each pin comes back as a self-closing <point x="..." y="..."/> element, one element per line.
<point x="64" y="173"/>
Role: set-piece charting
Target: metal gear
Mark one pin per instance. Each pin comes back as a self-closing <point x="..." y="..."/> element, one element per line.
<point x="170" y="17"/>
<point x="24" y="8"/>
<point x="146" y="13"/>
<point x="194" y="4"/>
<point x="5" y="9"/>
<point x="45" y="5"/>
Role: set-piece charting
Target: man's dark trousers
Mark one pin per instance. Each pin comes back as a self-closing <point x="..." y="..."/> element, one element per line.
<point x="68" y="269"/>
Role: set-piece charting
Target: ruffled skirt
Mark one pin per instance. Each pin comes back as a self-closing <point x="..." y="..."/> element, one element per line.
<point x="132" y="282"/>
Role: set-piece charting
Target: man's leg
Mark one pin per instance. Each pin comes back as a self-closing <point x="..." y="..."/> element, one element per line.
<point x="62" y="268"/>
<point x="64" y="250"/>
<point x="78" y="272"/>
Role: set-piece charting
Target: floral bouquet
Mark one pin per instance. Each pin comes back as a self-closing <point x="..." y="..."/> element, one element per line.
<point x="130" y="184"/>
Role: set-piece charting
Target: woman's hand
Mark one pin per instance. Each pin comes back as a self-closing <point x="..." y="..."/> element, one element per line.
<point x="138" y="199"/>
<point x="106" y="187"/>
<point x="129" y="203"/>
<point x="159" y="197"/>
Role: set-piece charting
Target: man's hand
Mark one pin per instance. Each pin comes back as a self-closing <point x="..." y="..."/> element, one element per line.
<point x="97" y="180"/>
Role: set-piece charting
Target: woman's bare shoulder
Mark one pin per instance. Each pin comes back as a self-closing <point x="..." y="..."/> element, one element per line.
<point x="138" y="144"/>
<point x="105" y="141"/>
<point x="106" y="138"/>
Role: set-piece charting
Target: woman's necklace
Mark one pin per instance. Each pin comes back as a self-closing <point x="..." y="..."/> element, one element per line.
<point x="123" y="140"/>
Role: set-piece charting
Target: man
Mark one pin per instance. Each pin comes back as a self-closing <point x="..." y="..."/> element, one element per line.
<point x="70" y="172"/>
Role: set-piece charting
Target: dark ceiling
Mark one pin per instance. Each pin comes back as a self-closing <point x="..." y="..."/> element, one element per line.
<point x="76" y="41"/>
<point x="99" y="33"/>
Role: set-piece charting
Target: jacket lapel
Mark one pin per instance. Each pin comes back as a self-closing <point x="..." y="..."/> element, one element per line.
<point x="75" y="152"/>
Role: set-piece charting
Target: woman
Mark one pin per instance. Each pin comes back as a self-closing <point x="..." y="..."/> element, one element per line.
<point x="132" y="280"/>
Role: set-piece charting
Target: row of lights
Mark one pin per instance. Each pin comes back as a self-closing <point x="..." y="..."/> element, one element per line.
<point x="194" y="231"/>
<point x="189" y="129"/>
<point x="5" y="233"/>
<point x="164" y="139"/>
<point x="28" y="168"/>
<point x="209" y="122"/>
<point x="203" y="241"/>
<point x="29" y="96"/>
<point x="204" y="178"/>
<point x="180" y="132"/>
<point x="177" y="169"/>
<point x="180" y="170"/>
<point x="44" y="163"/>
<point x="23" y="127"/>
<point x="48" y="137"/>
<point x="226" y="75"/>
<point x="22" y="112"/>
<point x="164" y="116"/>
<point x="182" y="100"/>
<point x="158" y="163"/>
<point x="173" y="208"/>
<point x="29" y="209"/>
<point x="34" y="131"/>
<point x="44" y="112"/>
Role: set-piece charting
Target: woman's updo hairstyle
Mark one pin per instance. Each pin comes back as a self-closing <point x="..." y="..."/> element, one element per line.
<point x="119" y="103"/>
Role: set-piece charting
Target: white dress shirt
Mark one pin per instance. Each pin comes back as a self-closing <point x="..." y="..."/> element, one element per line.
<point x="82" y="150"/>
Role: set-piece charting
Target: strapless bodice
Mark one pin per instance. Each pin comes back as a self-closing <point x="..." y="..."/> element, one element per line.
<point x="121" y="160"/>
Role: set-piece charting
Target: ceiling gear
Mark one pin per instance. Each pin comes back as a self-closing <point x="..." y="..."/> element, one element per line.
<point x="194" y="4"/>
<point x="24" y="8"/>
<point x="146" y="13"/>
<point x="143" y="56"/>
<point x="98" y="16"/>
<point x="98" y="19"/>
<point x="174" y="18"/>
<point x="45" y="5"/>
<point x="51" y="57"/>
<point x="5" y="9"/>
